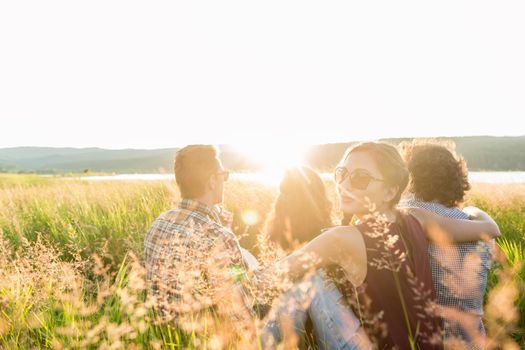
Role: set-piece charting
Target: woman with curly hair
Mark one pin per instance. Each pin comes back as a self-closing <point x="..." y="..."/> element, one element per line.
<point x="438" y="183"/>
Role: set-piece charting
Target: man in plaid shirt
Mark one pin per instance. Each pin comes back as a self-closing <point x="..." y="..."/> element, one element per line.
<point x="193" y="261"/>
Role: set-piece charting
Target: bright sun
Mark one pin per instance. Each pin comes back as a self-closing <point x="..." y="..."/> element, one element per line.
<point x="273" y="158"/>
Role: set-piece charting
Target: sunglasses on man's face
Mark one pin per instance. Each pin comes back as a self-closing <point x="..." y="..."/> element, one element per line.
<point x="358" y="179"/>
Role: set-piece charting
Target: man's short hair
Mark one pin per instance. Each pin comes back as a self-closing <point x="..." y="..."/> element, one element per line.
<point x="437" y="173"/>
<point x="194" y="164"/>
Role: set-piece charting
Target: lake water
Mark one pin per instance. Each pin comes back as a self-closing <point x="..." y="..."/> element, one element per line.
<point x="495" y="177"/>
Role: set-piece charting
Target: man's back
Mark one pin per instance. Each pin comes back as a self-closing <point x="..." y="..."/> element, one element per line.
<point x="189" y="254"/>
<point x="459" y="271"/>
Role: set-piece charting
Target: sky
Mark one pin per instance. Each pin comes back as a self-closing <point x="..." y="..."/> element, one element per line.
<point x="158" y="74"/>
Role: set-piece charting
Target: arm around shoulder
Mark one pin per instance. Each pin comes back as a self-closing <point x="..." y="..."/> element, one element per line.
<point x="440" y="229"/>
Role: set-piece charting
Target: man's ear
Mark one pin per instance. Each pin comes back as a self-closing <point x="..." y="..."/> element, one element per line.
<point x="212" y="183"/>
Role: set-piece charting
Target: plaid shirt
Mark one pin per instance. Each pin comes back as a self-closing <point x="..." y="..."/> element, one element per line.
<point x="459" y="272"/>
<point x="190" y="235"/>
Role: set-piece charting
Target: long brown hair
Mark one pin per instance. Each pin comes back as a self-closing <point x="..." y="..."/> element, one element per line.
<point x="302" y="202"/>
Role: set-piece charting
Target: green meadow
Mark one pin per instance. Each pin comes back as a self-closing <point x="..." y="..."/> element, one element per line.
<point x="71" y="250"/>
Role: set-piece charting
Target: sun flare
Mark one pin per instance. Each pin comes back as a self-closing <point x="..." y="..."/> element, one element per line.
<point x="250" y="217"/>
<point x="272" y="159"/>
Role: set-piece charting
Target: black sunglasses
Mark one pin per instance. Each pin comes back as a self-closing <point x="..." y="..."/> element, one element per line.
<point x="358" y="179"/>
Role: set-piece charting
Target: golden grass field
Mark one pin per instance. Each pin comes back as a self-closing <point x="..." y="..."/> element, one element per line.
<point x="71" y="274"/>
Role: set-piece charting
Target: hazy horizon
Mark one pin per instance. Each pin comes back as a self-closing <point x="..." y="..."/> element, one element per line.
<point x="234" y="145"/>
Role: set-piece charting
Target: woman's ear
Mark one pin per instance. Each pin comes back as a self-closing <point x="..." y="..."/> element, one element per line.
<point x="391" y="193"/>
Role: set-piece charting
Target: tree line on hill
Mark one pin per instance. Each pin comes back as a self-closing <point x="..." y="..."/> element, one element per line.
<point x="482" y="153"/>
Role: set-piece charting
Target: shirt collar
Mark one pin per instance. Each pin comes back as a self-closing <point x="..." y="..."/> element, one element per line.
<point x="194" y="205"/>
<point x="414" y="198"/>
<point x="410" y="198"/>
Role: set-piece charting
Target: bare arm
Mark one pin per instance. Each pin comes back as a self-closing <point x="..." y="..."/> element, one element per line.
<point x="441" y="229"/>
<point x="477" y="214"/>
<point x="343" y="246"/>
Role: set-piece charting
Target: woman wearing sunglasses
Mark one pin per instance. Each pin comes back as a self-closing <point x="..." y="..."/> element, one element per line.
<point x="384" y="255"/>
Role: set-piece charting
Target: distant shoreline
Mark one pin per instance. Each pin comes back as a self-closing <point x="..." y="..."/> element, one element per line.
<point x="494" y="177"/>
<point x="482" y="153"/>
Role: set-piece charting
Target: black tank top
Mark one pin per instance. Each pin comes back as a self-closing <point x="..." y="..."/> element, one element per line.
<point x="397" y="296"/>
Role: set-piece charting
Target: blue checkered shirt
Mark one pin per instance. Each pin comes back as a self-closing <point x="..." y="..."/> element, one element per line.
<point x="456" y="282"/>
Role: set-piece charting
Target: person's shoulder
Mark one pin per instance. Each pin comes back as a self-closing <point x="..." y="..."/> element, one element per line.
<point x="182" y="217"/>
<point x="345" y="230"/>
<point x="343" y="235"/>
<point x="176" y="221"/>
<point x="412" y="201"/>
<point x="456" y="213"/>
<point x="170" y="215"/>
<point x="434" y="206"/>
<point x="443" y="210"/>
<point x="414" y="220"/>
<point x="163" y="219"/>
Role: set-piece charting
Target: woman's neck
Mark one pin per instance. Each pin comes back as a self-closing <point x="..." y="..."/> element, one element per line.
<point x="388" y="213"/>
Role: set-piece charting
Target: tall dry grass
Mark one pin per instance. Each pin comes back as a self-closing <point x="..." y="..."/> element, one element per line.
<point x="72" y="277"/>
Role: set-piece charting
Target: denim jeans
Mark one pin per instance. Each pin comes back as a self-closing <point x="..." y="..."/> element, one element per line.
<point x="335" y="325"/>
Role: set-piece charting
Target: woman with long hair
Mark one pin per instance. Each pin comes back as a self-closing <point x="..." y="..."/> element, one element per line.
<point x="301" y="210"/>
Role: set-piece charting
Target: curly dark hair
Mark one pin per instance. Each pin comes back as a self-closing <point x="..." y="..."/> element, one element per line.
<point x="437" y="173"/>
